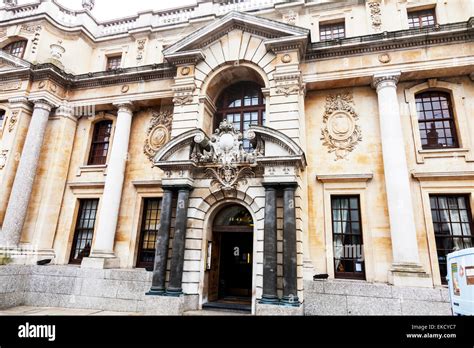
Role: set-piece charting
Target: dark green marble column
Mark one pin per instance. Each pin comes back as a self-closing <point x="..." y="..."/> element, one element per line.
<point x="162" y="245"/>
<point x="270" y="295"/>
<point x="177" y="257"/>
<point x="290" y="291"/>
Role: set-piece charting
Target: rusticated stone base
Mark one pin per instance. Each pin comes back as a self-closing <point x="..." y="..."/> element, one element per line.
<point x="266" y="309"/>
<point x="340" y="297"/>
<point x="118" y="290"/>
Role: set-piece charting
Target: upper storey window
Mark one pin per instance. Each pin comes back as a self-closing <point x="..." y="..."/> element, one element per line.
<point x="421" y="18"/>
<point x="16" y="48"/>
<point x="436" y="121"/>
<point x="332" y="31"/>
<point x="2" y="117"/>
<point x="114" y="62"/>
<point x="100" y="143"/>
<point x="241" y="104"/>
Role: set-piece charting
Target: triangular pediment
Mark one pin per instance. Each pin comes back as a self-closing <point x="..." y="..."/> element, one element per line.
<point x="267" y="29"/>
<point x="9" y="62"/>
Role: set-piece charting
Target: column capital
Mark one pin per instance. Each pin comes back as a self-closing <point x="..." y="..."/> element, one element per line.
<point x="388" y="79"/>
<point x="65" y="110"/>
<point x="20" y="103"/>
<point x="43" y="104"/>
<point x="125" y="106"/>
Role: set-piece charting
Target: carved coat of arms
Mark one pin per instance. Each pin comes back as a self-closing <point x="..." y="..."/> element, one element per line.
<point x="228" y="163"/>
<point x="159" y="133"/>
<point x="340" y="132"/>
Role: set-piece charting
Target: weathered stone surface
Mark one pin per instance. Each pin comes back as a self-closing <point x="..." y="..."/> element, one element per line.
<point x="132" y="290"/>
<point x="323" y="304"/>
<point x="162" y="305"/>
<point x="354" y="288"/>
<point x="411" y="307"/>
<point x="373" y="306"/>
<point x="271" y="310"/>
<point x="419" y="294"/>
<point x="100" y="287"/>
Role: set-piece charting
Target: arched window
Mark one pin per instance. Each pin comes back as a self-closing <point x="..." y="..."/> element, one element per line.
<point x="436" y="120"/>
<point x="100" y="143"/>
<point x="241" y="104"/>
<point x="2" y="117"/>
<point x="16" y="48"/>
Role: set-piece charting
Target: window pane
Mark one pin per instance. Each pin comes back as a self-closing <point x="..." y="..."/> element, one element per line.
<point x="149" y="232"/>
<point x="100" y="143"/>
<point x="436" y="106"/>
<point x="452" y="219"/>
<point x="84" y="231"/>
<point x="347" y="237"/>
<point x="241" y="104"/>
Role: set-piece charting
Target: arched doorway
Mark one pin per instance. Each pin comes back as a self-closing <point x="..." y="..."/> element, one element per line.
<point x="230" y="278"/>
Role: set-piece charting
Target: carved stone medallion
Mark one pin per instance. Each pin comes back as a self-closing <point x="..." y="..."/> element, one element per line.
<point x="340" y="132"/>
<point x="158" y="134"/>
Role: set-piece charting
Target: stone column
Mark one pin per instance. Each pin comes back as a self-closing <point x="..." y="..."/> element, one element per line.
<point x="270" y="295"/>
<point x="290" y="289"/>
<point x="102" y="253"/>
<point x="18" y="122"/>
<point x="400" y="207"/>
<point x="162" y="245"/>
<point x="177" y="257"/>
<point x="63" y="126"/>
<point x="25" y="176"/>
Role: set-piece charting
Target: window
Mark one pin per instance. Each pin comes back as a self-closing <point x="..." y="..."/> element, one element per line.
<point x="347" y="237"/>
<point x="114" y="62"/>
<point x="2" y="117"/>
<point x="452" y="222"/>
<point x="16" y="48"/>
<point x="100" y="143"/>
<point x="422" y="18"/>
<point x="84" y="232"/>
<point x="436" y="121"/>
<point x="149" y="232"/>
<point x="241" y="104"/>
<point x="332" y="31"/>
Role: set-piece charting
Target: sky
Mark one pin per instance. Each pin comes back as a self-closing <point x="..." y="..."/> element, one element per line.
<point x="111" y="9"/>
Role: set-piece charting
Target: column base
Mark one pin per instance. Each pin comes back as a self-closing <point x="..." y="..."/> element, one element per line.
<point x="290" y="301"/>
<point x="100" y="262"/>
<point x="270" y="300"/>
<point x="156" y="292"/>
<point x="174" y="292"/>
<point x="410" y="275"/>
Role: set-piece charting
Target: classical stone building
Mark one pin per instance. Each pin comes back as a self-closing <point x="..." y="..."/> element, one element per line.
<point x="231" y="154"/>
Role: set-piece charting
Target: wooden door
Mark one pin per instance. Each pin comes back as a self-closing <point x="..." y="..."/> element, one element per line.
<point x="214" y="272"/>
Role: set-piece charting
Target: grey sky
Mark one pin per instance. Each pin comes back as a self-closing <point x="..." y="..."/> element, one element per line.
<point x="110" y="9"/>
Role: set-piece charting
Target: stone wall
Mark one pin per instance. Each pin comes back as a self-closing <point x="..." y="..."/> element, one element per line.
<point x="73" y="287"/>
<point x="124" y="290"/>
<point x="341" y="297"/>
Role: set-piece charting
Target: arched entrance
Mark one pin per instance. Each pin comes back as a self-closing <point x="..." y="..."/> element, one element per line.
<point x="230" y="278"/>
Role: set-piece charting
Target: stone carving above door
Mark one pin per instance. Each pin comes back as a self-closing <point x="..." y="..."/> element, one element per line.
<point x="340" y="131"/>
<point x="227" y="161"/>
<point x="159" y="133"/>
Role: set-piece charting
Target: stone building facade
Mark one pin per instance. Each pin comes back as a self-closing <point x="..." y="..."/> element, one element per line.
<point x="231" y="154"/>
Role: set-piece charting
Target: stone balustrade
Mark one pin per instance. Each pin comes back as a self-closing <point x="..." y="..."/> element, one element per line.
<point x="82" y="18"/>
